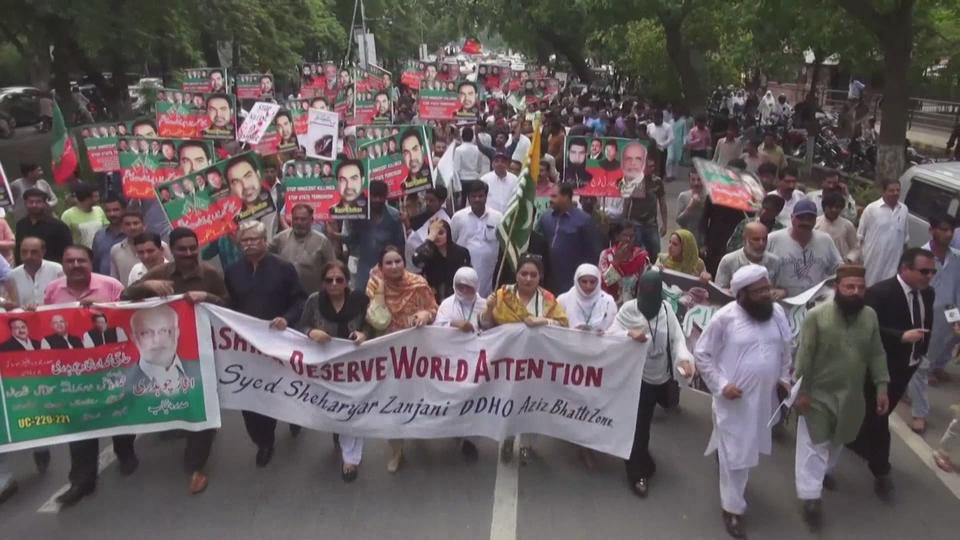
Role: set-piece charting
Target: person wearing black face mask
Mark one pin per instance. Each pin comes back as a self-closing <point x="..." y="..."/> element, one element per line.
<point x="840" y="350"/>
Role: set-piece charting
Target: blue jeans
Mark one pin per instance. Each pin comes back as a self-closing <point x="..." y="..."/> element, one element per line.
<point x="648" y="236"/>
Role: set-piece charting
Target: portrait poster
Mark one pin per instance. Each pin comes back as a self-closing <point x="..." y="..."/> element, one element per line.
<point x="729" y="187"/>
<point x="320" y="79"/>
<point x="369" y="81"/>
<point x="438" y="100"/>
<point x="320" y="142"/>
<point x="596" y="165"/>
<point x="99" y="141"/>
<point x="213" y="201"/>
<point x="69" y="373"/>
<point x="492" y="77"/>
<point x="254" y="85"/>
<point x="402" y="161"/>
<point x="259" y="118"/>
<point x="335" y="190"/>
<point x="300" y="111"/>
<point x="146" y="163"/>
<point x="372" y="107"/>
<point x="188" y="115"/>
<point x="415" y="73"/>
<point x="205" y="80"/>
<point x="280" y="135"/>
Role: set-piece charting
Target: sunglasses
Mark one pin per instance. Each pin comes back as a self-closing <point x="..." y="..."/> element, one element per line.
<point x="337" y="280"/>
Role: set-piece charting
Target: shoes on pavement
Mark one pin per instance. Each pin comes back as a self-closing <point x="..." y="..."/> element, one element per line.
<point x="829" y="482"/>
<point x="918" y="425"/>
<point x="349" y="473"/>
<point x="469" y="451"/>
<point x="295" y="430"/>
<point x="198" y="482"/>
<point x="812" y="514"/>
<point x="396" y="457"/>
<point x="8" y="491"/>
<point x="734" y="525"/>
<point x="73" y="495"/>
<point x="41" y="458"/>
<point x="264" y="455"/>
<point x="525" y="453"/>
<point x="640" y="488"/>
<point x="129" y="465"/>
<point x="883" y="487"/>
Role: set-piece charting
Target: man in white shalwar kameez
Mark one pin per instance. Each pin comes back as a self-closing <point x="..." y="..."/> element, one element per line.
<point x="882" y="233"/>
<point x="743" y="354"/>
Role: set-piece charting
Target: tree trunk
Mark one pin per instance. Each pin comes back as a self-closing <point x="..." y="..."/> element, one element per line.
<point x="694" y="97"/>
<point x="814" y="76"/>
<point x="573" y="52"/>
<point x="893" y="127"/>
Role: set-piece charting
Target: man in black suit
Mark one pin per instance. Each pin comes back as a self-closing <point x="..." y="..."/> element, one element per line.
<point x="101" y="333"/>
<point x="19" y="337"/>
<point x="904" y="306"/>
<point x="60" y="339"/>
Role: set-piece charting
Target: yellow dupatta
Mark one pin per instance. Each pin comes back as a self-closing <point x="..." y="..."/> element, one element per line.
<point x="510" y="309"/>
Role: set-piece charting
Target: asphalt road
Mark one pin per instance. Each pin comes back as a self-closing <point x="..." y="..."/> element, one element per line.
<point x="436" y="495"/>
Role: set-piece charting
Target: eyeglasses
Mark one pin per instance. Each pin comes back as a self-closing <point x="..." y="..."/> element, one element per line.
<point x="337" y="280"/>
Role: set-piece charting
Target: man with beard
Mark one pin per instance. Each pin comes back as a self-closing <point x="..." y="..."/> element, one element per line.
<point x="381" y="103"/>
<point x="839" y="346"/>
<point x="350" y="188"/>
<point x="807" y="256"/>
<point x="418" y="171"/>
<point x="220" y="114"/>
<point x="904" y="306"/>
<point x="216" y="81"/>
<point x="754" y="251"/>
<point x="243" y="177"/>
<point x="743" y="354"/>
<point x="576" y="169"/>
<point x="646" y="200"/>
<point x="831" y="183"/>
<point x="610" y="162"/>
<point x="284" y="123"/>
<point x="192" y="156"/>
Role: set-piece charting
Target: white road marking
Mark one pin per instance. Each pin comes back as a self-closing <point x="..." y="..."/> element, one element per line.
<point x="924" y="452"/>
<point x="503" y="523"/>
<point x="103" y="461"/>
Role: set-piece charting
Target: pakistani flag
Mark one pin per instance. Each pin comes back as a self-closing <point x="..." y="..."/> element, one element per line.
<point x="63" y="153"/>
<point x="517" y="225"/>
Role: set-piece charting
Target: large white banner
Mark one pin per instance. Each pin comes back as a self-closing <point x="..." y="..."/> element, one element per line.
<point x="436" y="382"/>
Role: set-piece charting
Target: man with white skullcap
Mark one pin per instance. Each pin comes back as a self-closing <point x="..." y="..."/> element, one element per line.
<point x="743" y="354"/>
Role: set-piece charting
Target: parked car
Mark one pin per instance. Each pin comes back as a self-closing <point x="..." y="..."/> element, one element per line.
<point x="22" y="103"/>
<point x="929" y="190"/>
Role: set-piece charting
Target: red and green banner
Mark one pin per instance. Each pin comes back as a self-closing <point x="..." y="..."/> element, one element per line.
<point x="62" y="151"/>
<point x="75" y="373"/>
<point x="205" y="80"/>
<point x="196" y="115"/>
<point x="322" y="79"/>
<point x="729" y="187"/>
<point x="335" y="189"/>
<point x="254" y="85"/>
<point x="604" y="166"/>
<point x="145" y="163"/>
<point x="400" y="158"/>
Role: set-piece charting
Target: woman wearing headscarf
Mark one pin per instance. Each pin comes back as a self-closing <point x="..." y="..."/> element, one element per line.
<point x="337" y="312"/>
<point x="587" y="306"/>
<point x="549" y="176"/>
<point x="683" y="256"/>
<point x="622" y="263"/>
<point x="768" y="109"/>
<point x="528" y="303"/>
<point x="462" y="311"/>
<point x="398" y="300"/>
<point x="649" y="319"/>
<point x="439" y="257"/>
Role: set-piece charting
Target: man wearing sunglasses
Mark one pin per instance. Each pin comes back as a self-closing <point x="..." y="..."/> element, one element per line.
<point x="904" y="307"/>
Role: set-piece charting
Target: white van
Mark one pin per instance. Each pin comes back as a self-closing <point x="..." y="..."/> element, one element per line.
<point x="929" y="190"/>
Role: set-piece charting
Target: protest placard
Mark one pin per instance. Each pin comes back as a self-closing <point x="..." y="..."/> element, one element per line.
<point x="189" y="115"/>
<point x="402" y="161"/>
<point x="320" y="141"/>
<point x="99" y="141"/>
<point x="258" y="120"/>
<point x="729" y="187"/>
<point x="254" y="85"/>
<point x="71" y="373"/>
<point x="438" y="100"/>
<point x="599" y="165"/>
<point x="146" y="163"/>
<point x="335" y="190"/>
<point x="319" y="79"/>
<point x="205" y="80"/>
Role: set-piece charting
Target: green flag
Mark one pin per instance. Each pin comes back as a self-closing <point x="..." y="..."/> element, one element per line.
<point x="62" y="151"/>
<point x="517" y="225"/>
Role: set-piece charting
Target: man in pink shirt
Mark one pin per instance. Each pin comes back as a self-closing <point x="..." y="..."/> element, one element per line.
<point x="80" y="284"/>
<point x="698" y="140"/>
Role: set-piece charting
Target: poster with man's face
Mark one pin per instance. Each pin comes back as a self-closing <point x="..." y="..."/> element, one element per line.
<point x="254" y="85"/>
<point x="334" y="189"/>
<point x="373" y="108"/>
<point x="604" y="166"/>
<point x="164" y="159"/>
<point x="99" y="141"/>
<point x="212" y="201"/>
<point x="197" y="116"/>
<point x="319" y="79"/>
<point x="104" y="370"/>
<point x="402" y="161"/>
<point x="205" y="80"/>
<point x="442" y="100"/>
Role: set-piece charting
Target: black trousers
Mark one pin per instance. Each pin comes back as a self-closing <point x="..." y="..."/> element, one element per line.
<point x="873" y="440"/>
<point x="641" y="464"/>
<point x="260" y="428"/>
<point x="84" y="454"/>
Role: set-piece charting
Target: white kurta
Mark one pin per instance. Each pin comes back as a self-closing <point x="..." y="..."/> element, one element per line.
<point x="754" y="356"/>
<point x="882" y="233"/>
<point x="479" y="236"/>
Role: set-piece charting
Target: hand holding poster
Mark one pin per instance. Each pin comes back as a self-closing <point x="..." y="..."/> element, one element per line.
<point x="257" y="121"/>
<point x="336" y="190"/>
<point x="729" y="187"/>
<point x="323" y="130"/>
<point x="205" y="80"/>
<point x="402" y="161"/>
<point x="188" y="115"/>
<point x="147" y="162"/>
<point x="74" y="373"/>
<point x="214" y="200"/>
